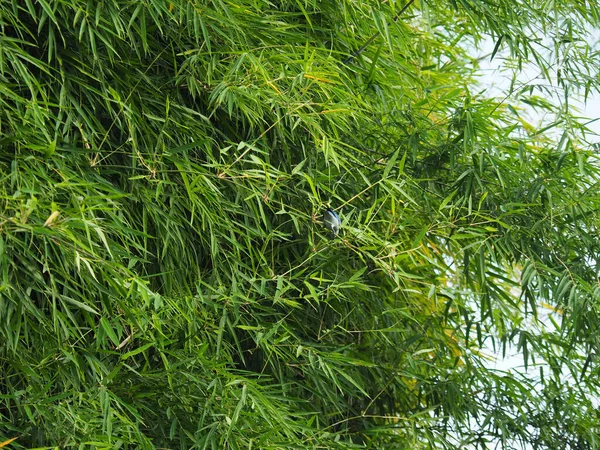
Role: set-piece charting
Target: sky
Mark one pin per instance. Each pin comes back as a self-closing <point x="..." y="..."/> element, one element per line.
<point x="496" y="79"/>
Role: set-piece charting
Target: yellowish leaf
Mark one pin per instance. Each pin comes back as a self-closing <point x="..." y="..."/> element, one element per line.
<point x="51" y="219"/>
<point x="8" y="441"/>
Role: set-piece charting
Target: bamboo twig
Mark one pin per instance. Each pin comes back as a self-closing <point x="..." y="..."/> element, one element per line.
<point x="372" y="38"/>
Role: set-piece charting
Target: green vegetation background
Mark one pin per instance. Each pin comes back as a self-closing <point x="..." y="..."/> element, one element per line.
<point x="165" y="280"/>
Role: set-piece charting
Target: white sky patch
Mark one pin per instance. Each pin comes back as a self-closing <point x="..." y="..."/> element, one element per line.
<point x="496" y="77"/>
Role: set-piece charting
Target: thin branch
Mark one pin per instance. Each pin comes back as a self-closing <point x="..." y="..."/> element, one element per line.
<point x="372" y="38"/>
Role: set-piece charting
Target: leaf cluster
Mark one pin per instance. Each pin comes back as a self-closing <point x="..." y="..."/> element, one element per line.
<point x="166" y="281"/>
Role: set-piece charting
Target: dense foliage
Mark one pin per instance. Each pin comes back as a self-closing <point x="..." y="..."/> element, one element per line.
<point x="166" y="281"/>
